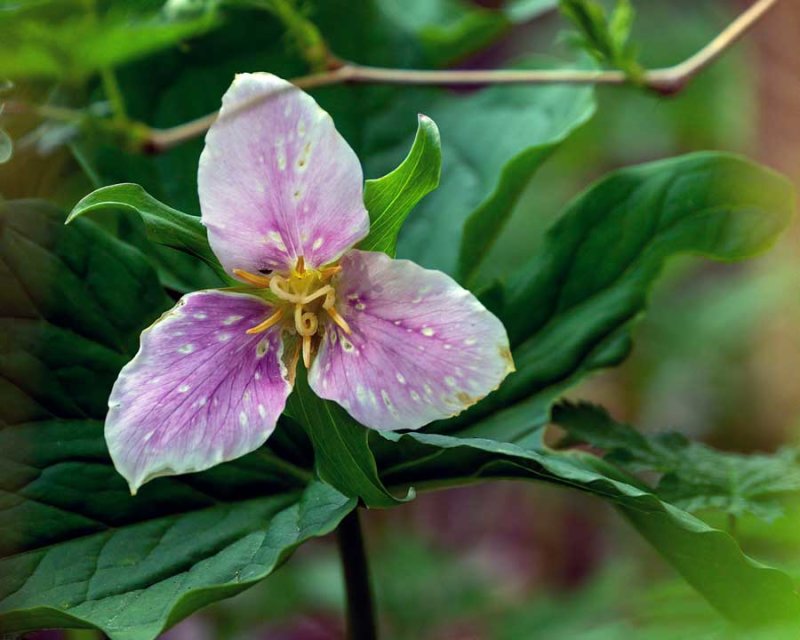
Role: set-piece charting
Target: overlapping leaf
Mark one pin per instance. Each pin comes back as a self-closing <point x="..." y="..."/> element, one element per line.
<point x="693" y="476"/>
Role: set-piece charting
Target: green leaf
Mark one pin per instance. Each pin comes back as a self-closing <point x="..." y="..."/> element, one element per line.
<point x="694" y="476"/>
<point x="163" y="224"/>
<point x="342" y="454"/>
<point x="486" y="166"/>
<point x="709" y="559"/>
<point x="391" y="198"/>
<point x="451" y="29"/>
<point x="570" y="310"/>
<point x="76" y="549"/>
<point x="66" y="40"/>
<point x="483" y="226"/>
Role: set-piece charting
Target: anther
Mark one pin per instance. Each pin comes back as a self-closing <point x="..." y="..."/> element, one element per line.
<point x="300" y="267"/>
<point x="307" y="351"/>
<point x="329" y="272"/>
<point x="253" y="278"/>
<point x="339" y="320"/>
<point x="274" y="319"/>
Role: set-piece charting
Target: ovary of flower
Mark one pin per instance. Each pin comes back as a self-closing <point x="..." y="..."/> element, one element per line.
<point x="300" y="288"/>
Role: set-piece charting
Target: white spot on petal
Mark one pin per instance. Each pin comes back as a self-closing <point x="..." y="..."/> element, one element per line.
<point x="262" y="411"/>
<point x="262" y="348"/>
<point x="183" y="388"/>
<point x="450" y="381"/>
<point x="400" y="378"/>
<point x="243" y="418"/>
<point x="317" y="243"/>
<point x="427" y="331"/>
<point x="186" y="348"/>
<point x="223" y="337"/>
<point x="231" y="319"/>
<point x="200" y="316"/>
<point x="470" y="341"/>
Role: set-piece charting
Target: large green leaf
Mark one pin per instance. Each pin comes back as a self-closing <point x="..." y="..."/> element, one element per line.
<point x="163" y="224"/>
<point x="391" y="198"/>
<point x="709" y="559"/>
<point x="75" y="548"/>
<point x="570" y="310"/>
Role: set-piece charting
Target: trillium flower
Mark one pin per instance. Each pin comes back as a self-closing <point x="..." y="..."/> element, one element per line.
<point x="396" y="345"/>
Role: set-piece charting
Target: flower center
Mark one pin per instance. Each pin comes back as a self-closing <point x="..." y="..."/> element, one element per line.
<point x="303" y="295"/>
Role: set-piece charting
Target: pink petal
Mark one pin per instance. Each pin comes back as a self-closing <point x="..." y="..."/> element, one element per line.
<point x="421" y="349"/>
<point x="200" y="391"/>
<point x="277" y="181"/>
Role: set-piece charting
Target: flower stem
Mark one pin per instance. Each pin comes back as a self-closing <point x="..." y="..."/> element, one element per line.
<point x="361" y="623"/>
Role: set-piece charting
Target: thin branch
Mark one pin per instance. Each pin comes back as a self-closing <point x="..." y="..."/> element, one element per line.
<point x="665" y="81"/>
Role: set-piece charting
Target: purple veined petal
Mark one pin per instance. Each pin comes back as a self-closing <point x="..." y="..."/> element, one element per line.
<point x="422" y="348"/>
<point x="277" y="181"/>
<point x="200" y="390"/>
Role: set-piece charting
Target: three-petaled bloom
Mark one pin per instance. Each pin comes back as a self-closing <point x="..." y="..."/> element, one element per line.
<point x="396" y="345"/>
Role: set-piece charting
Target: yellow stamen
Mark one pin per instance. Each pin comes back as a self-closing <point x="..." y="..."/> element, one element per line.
<point x="329" y="272"/>
<point x="334" y="314"/>
<point x="253" y="278"/>
<point x="307" y="351"/>
<point x="269" y="322"/>
<point x="300" y="267"/>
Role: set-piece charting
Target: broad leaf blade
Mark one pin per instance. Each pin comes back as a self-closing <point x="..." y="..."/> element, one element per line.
<point x="391" y="198"/>
<point x="571" y="308"/>
<point x="493" y="141"/>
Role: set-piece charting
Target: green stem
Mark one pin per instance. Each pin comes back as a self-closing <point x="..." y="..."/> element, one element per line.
<point x="114" y="95"/>
<point x="361" y="623"/>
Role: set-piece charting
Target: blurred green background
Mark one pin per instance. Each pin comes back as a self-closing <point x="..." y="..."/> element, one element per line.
<point x="715" y="358"/>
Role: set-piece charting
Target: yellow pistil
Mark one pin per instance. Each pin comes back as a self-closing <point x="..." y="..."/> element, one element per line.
<point x="303" y="294"/>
